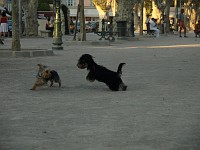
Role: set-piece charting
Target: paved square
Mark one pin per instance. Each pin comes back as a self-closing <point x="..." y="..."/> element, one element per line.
<point x="159" y="111"/>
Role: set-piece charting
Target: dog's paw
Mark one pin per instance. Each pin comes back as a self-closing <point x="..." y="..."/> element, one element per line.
<point x="90" y="79"/>
<point x="122" y="87"/>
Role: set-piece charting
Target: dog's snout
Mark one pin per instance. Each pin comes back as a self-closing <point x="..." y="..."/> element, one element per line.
<point x="79" y="66"/>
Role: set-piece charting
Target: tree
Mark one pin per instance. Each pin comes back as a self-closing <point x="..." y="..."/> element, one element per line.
<point x="125" y="13"/>
<point x="167" y="13"/>
<point x="193" y="12"/>
<point x="30" y="13"/>
<point x="103" y="7"/>
<point x="141" y="16"/>
<point x="16" y="46"/>
<point x="82" y="35"/>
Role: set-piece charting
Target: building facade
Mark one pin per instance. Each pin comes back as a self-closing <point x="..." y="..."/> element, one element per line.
<point x="91" y="14"/>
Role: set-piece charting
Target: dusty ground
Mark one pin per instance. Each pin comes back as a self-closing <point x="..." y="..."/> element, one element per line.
<point x="159" y="111"/>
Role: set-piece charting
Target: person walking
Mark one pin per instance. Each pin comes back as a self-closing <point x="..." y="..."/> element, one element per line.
<point x="4" y="25"/>
<point x="181" y="23"/>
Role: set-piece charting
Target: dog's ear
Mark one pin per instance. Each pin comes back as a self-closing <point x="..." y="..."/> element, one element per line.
<point x="89" y="59"/>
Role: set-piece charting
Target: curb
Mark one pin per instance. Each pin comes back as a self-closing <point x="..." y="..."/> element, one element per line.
<point x="7" y="53"/>
<point x="86" y="43"/>
<point x="128" y="38"/>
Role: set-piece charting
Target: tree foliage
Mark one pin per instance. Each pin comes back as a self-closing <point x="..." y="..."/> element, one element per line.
<point x="43" y="7"/>
<point x="101" y="3"/>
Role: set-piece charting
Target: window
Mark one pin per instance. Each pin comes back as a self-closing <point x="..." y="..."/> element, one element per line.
<point x="71" y="2"/>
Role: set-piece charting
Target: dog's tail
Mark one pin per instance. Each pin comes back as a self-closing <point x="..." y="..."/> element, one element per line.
<point x="119" y="70"/>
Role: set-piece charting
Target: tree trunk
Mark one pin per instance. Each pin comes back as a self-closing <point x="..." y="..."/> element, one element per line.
<point x="167" y="12"/>
<point x="30" y="13"/>
<point x="124" y="13"/>
<point x="16" y="46"/>
<point x="193" y="19"/>
<point x="82" y="35"/>
<point x="102" y="15"/>
<point x="141" y="17"/>
<point x="187" y="15"/>
<point x="136" y="17"/>
<point x="103" y="10"/>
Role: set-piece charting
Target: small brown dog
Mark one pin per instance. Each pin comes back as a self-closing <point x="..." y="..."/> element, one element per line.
<point x="44" y="76"/>
<point x="40" y="70"/>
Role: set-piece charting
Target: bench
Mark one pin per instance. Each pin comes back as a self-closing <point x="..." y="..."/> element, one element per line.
<point x="107" y="35"/>
<point x="46" y="33"/>
<point x="150" y="32"/>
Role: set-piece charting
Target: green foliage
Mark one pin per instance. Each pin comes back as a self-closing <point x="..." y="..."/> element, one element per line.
<point x="148" y="6"/>
<point x="46" y="1"/>
<point x="101" y="3"/>
<point x="43" y="7"/>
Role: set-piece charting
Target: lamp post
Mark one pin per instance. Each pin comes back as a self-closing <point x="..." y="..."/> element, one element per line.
<point x="57" y="34"/>
<point x="176" y="16"/>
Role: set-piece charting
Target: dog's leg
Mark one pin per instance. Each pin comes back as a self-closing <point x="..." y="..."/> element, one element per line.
<point x="34" y="87"/>
<point x="122" y="87"/>
<point x="59" y="83"/>
<point x="51" y="82"/>
<point x="39" y="82"/>
<point x="90" y="77"/>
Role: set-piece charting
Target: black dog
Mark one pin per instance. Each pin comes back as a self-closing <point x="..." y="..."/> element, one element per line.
<point x="96" y="72"/>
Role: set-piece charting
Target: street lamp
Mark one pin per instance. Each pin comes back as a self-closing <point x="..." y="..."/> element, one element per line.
<point x="57" y="34"/>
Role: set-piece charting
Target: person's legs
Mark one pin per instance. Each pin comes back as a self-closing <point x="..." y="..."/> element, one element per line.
<point x="180" y="29"/>
<point x="198" y="33"/>
<point x="184" y="31"/>
<point x="3" y="30"/>
<point x="4" y="34"/>
<point x="52" y="28"/>
<point x="148" y="28"/>
<point x="157" y="33"/>
<point x="0" y="31"/>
